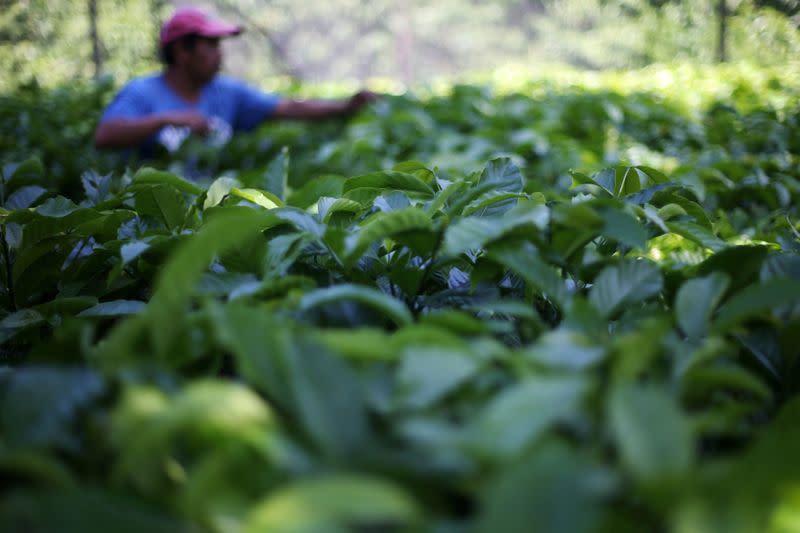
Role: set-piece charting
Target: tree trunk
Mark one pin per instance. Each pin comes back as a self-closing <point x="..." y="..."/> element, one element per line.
<point x="97" y="56"/>
<point x="722" y="34"/>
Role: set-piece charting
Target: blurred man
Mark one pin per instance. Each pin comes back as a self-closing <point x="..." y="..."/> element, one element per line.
<point x="190" y="98"/>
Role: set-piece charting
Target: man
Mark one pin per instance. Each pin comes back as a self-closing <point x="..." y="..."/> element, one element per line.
<point x="189" y="97"/>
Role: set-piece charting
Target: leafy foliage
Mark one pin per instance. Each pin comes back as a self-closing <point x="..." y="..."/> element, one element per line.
<point x="298" y="346"/>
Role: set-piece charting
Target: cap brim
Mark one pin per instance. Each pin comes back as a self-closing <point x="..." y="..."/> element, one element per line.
<point x="220" y="29"/>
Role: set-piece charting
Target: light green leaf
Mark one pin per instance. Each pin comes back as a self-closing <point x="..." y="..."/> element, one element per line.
<point x="219" y="189"/>
<point x="334" y="504"/>
<point x="265" y="199"/>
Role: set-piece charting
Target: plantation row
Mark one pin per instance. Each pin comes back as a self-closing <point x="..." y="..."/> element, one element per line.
<point x="566" y="311"/>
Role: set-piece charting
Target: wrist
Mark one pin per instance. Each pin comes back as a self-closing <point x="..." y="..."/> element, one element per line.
<point x="162" y="120"/>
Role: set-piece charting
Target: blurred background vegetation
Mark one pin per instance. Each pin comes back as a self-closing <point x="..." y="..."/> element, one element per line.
<point x="406" y="41"/>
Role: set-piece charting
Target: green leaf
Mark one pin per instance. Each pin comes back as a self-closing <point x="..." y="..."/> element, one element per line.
<point x="57" y="207"/>
<point x="652" y="434"/>
<point x="554" y="490"/>
<point x="114" y="308"/>
<point x="151" y="176"/>
<point x="40" y="404"/>
<point x="26" y="171"/>
<point x="389" y="180"/>
<point x="385" y="225"/>
<point x="521" y="413"/>
<point x="757" y="299"/>
<point x="426" y="375"/>
<point x="265" y="199"/>
<point x="21" y="319"/>
<point x="330" y="206"/>
<point x="562" y="348"/>
<point x="503" y="175"/>
<point x="300" y="220"/>
<point x="699" y="234"/>
<point x="226" y="230"/>
<point x="315" y="188"/>
<point x="474" y="233"/>
<point x="361" y="344"/>
<point x="390" y="307"/>
<point x="696" y="301"/>
<point x="524" y="260"/>
<point x="336" y="504"/>
<point x="319" y="391"/>
<point x="624" y="228"/>
<point x="778" y="266"/>
<point x="66" y="306"/>
<point x="628" y="283"/>
<point x="218" y="190"/>
<point x="88" y="510"/>
<point x="604" y="180"/>
<point x="485" y="204"/>
<point x="276" y="175"/>
<point x="163" y="203"/>
<point x="24" y="197"/>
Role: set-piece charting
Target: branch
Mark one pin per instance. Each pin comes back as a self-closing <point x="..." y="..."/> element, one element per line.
<point x="277" y="50"/>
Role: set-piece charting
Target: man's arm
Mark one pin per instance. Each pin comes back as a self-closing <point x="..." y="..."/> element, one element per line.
<point x="131" y="132"/>
<point x="321" y="109"/>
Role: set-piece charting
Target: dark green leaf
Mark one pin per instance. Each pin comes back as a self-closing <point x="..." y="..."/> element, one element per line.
<point x="653" y="435"/>
<point x="696" y="301"/>
<point x="628" y="283"/>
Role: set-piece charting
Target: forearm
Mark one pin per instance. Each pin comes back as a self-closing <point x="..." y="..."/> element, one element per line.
<point x="312" y="109"/>
<point x="127" y="133"/>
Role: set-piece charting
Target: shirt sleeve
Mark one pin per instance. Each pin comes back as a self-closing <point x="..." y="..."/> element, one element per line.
<point x="253" y="106"/>
<point x="130" y="102"/>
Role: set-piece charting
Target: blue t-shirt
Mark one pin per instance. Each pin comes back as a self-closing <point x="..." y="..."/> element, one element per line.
<point x="230" y="104"/>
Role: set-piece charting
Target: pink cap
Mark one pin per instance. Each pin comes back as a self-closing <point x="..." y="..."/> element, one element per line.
<point x="188" y="20"/>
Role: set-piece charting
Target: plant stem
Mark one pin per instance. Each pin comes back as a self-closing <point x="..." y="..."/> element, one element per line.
<point x="4" y="245"/>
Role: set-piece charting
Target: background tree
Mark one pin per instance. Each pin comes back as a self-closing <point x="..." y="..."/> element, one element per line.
<point x="409" y="40"/>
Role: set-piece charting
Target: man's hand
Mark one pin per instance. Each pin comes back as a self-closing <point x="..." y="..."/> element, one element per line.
<point x="360" y="99"/>
<point x="196" y="121"/>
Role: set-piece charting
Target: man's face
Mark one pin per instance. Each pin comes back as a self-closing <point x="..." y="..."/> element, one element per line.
<point x="204" y="59"/>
